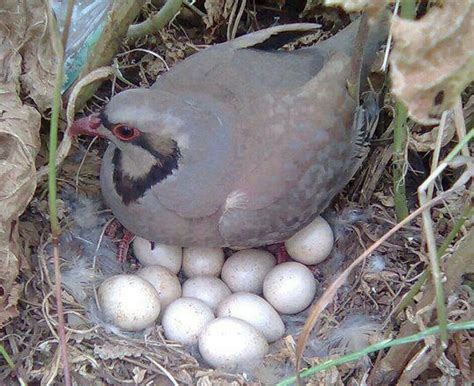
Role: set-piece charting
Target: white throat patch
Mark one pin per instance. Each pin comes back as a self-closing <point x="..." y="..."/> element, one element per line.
<point x="136" y="161"/>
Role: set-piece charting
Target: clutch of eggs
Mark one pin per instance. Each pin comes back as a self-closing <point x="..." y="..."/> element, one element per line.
<point x="229" y="308"/>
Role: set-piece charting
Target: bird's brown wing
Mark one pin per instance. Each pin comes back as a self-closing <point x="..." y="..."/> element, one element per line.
<point x="219" y="83"/>
<point x="303" y="140"/>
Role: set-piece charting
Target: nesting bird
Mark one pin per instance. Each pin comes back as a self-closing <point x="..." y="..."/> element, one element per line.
<point x="240" y="144"/>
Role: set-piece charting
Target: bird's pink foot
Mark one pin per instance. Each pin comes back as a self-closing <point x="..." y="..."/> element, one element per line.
<point x="123" y="242"/>
<point x="282" y="256"/>
<point x="112" y="229"/>
<point x="124" y="245"/>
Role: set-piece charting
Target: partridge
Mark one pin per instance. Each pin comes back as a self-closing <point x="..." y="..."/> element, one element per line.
<point x="241" y="144"/>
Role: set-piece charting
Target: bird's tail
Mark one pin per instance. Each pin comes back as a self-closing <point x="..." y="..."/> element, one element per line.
<point x="360" y="40"/>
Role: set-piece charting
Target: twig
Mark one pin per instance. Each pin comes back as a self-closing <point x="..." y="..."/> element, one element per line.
<point x="389" y="40"/>
<point x="234" y="20"/>
<point x="166" y="372"/>
<point x="94" y="259"/>
<point x="83" y="160"/>
<point x="148" y="52"/>
<point x="52" y="189"/>
<point x="460" y="125"/>
<point x="193" y="8"/>
<point x="437" y="150"/>
<point x="156" y="22"/>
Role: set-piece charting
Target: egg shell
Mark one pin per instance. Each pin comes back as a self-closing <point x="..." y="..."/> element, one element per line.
<point x="209" y="289"/>
<point x="199" y="261"/>
<point x="312" y="244"/>
<point x="255" y="311"/>
<point x="245" y="270"/>
<point x="289" y="287"/>
<point x="128" y="302"/>
<point x="167" y="256"/>
<point x="184" y="319"/>
<point x="166" y="284"/>
<point x="232" y="343"/>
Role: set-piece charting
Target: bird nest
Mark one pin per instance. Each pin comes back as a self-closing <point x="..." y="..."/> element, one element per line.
<point x="362" y="312"/>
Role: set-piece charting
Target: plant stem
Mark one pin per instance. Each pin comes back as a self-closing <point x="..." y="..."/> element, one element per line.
<point x="156" y="22"/>
<point x="52" y="189"/>
<point x="399" y="145"/>
<point x="407" y="11"/>
<point x="7" y="358"/>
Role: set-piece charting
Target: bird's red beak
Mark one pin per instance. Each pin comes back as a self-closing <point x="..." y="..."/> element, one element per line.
<point x="86" y="126"/>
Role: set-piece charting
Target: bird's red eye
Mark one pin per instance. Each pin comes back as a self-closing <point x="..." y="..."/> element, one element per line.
<point x="125" y="133"/>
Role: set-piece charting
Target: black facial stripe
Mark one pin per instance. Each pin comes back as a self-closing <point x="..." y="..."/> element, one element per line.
<point x="143" y="142"/>
<point x="131" y="189"/>
<point x="104" y="120"/>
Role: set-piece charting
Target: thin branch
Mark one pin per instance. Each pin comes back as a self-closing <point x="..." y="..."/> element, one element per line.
<point x="437" y="149"/>
<point x="155" y="22"/>
<point x="460" y="124"/>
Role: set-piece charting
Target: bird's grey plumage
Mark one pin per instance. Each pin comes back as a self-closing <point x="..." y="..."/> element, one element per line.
<point x="257" y="141"/>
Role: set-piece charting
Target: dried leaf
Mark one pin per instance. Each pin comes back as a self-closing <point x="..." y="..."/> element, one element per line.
<point x="138" y="375"/>
<point x="217" y="11"/>
<point x="387" y="201"/>
<point x="19" y="136"/>
<point x="447" y="367"/>
<point x="433" y="59"/>
<point x="331" y="376"/>
<point x="463" y="350"/>
<point x="39" y="57"/>
<point x="427" y="141"/>
<point x="417" y="365"/>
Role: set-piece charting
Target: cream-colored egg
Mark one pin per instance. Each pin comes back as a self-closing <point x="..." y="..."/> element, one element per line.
<point x="232" y="343"/>
<point x="209" y="289"/>
<point x="245" y="270"/>
<point x="184" y="319"/>
<point x="202" y="261"/>
<point x="166" y="284"/>
<point x="289" y="287"/>
<point x="128" y="302"/>
<point x="167" y="256"/>
<point x="312" y="244"/>
<point x="254" y="310"/>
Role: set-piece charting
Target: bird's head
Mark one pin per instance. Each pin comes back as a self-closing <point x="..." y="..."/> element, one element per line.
<point x="147" y="136"/>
